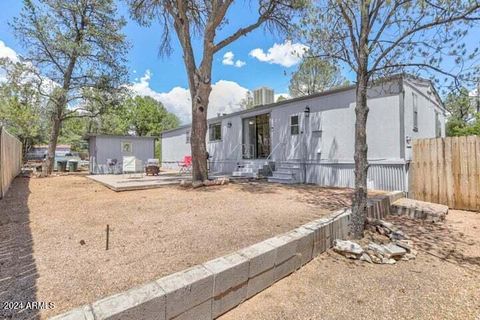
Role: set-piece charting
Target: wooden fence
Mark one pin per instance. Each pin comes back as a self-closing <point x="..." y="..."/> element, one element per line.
<point x="447" y="171"/>
<point x="10" y="160"/>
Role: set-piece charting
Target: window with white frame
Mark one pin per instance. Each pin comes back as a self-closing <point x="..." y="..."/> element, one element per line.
<point x="187" y="137"/>
<point x="415" y="111"/>
<point x="294" y="125"/>
<point x="215" y="131"/>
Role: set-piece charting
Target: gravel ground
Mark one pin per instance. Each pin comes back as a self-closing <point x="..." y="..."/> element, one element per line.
<point x="52" y="234"/>
<point x="442" y="283"/>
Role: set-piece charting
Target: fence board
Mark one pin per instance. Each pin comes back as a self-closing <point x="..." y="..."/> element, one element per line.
<point x="447" y="171"/>
<point x="10" y="160"/>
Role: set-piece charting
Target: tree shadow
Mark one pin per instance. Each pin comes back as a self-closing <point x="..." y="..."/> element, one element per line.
<point x="440" y="240"/>
<point x="18" y="271"/>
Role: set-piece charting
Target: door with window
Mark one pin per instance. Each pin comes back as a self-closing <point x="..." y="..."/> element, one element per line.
<point x="256" y="138"/>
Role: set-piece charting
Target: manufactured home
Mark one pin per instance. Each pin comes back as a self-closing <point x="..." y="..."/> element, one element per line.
<point x="311" y="139"/>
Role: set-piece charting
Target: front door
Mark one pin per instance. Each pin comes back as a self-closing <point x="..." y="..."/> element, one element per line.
<point x="256" y="137"/>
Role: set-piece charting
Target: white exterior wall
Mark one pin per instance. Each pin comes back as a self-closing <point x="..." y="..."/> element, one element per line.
<point x="328" y="133"/>
<point x="427" y="106"/>
<point x="174" y="147"/>
<point x="325" y="145"/>
<point x="102" y="148"/>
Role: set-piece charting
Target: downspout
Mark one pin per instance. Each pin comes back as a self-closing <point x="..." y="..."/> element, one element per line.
<point x="402" y="135"/>
<point x="304" y="134"/>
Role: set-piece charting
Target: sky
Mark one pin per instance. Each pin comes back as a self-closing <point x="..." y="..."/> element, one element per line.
<point x="258" y="59"/>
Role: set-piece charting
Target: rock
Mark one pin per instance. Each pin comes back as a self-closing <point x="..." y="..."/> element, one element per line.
<point x="366" y="257"/>
<point x="348" y="248"/>
<point x="376" y="259"/>
<point x="398" y="235"/>
<point x="392" y="250"/>
<point x="381" y="230"/>
<point x="82" y="242"/>
<point x="207" y="183"/>
<point x="405" y="244"/>
<point x="377" y="248"/>
<point x="388" y="261"/>
<point x="409" y="256"/>
<point x="197" y="184"/>
<point x="185" y="183"/>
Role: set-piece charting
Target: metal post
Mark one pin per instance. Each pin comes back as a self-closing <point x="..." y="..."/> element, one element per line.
<point x="108" y="236"/>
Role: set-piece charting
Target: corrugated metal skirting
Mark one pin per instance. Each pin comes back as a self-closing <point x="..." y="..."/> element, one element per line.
<point x="388" y="177"/>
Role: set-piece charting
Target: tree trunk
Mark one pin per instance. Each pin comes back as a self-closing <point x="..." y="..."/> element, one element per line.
<point x="52" y="144"/>
<point x="199" y="132"/>
<point x="359" y="204"/>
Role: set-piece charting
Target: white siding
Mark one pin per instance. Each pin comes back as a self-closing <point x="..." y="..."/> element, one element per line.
<point x="325" y="144"/>
<point x="102" y="148"/>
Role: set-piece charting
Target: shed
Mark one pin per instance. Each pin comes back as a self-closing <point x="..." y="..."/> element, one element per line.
<point x="104" y="147"/>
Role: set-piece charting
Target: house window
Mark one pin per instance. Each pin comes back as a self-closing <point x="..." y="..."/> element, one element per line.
<point x="215" y="131"/>
<point x="415" y="112"/>
<point x="294" y="127"/>
<point x="187" y="137"/>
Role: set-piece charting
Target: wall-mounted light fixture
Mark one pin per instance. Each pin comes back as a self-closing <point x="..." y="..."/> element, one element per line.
<point x="408" y="140"/>
<point x="229" y="124"/>
<point x="307" y="111"/>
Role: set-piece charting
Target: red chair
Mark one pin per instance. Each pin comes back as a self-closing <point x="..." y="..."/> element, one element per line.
<point x="185" y="165"/>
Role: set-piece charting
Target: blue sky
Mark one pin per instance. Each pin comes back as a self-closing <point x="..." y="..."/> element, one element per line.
<point x="258" y="59"/>
<point x="157" y="75"/>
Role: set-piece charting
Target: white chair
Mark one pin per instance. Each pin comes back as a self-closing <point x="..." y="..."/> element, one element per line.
<point x="132" y="165"/>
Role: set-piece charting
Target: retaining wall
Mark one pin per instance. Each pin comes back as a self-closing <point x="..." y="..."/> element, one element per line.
<point x="208" y="290"/>
<point x="10" y="160"/>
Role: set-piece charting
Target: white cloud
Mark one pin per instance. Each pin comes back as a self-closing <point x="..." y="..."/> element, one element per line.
<point x="228" y="59"/>
<point x="286" y="54"/>
<point x="224" y="98"/>
<point x="240" y="63"/>
<point x="7" y="52"/>
<point x="285" y="95"/>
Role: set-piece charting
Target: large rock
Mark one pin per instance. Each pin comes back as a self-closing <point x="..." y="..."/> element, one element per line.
<point x="394" y="251"/>
<point x="347" y="248"/>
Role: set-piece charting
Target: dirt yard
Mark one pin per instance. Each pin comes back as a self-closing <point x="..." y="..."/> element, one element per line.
<point x="52" y="233"/>
<point x="442" y="283"/>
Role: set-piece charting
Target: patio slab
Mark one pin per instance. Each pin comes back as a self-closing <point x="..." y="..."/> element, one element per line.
<point x="127" y="182"/>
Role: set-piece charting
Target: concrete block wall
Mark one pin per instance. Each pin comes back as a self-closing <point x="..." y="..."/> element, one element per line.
<point x="209" y="290"/>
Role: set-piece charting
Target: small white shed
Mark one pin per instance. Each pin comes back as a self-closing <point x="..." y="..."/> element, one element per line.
<point x="104" y="147"/>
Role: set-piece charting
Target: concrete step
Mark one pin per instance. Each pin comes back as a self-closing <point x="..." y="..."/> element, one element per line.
<point x="285" y="170"/>
<point x="285" y="165"/>
<point x="283" y="175"/>
<point x="419" y="209"/>
<point x="281" y="180"/>
<point x="245" y="174"/>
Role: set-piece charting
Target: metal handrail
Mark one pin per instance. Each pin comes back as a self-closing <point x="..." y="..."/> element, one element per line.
<point x="271" y="154"/>
<point x="234" y="149"/>
<point x="251" y="146"/>
<point x="274" y="149"/>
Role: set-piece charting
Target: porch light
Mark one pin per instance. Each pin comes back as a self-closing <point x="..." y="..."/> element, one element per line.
<point x="229" y="124"/>
<point x="307" y="111"/>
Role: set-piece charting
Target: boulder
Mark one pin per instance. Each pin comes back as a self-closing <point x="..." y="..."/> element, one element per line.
<point x="394" y="251"/>
<point x="348" y="248"/>
<point x="378" y="249"/>
<point x="366" y="257"/>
